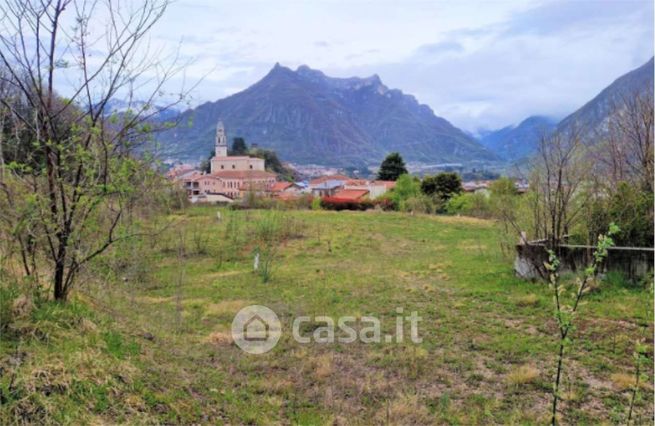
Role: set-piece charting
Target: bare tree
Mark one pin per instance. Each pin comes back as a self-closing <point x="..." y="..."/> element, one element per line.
<point x="623" y="170"/>
<point x="557" y="183"/>
<point x="631" y="138"/>
<point x="625" y="149"/>
<point x="73" y="176"/>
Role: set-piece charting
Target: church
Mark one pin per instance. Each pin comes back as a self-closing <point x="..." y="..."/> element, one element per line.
<point x="230" y="176"/>
<point x="222" y="162"/>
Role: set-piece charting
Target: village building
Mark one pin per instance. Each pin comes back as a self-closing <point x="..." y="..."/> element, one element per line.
<point x="286" y="191"/>
<point x="331" y="185"/>
<point x="351" y="194"/>
<point x="375" y="188"/>
<point x="222" y="162"/>
<point x="478" y="187"/>
<point x="322" y="179"/>
<point x="286" y="188"/>
<point x="230" y="177"/>
<point x="327" y="188"/>
<point x="180" y="170"/>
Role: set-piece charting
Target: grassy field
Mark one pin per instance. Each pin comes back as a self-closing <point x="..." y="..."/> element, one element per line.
<point x="154" y="346"/>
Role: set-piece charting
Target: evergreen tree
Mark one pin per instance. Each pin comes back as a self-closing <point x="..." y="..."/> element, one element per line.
<point x="272" y="163"/>
<point x="392" y="167"/>
<point x="206" y="164"/>
<point x="444" y="185"/>
<point x="239" y="146"/>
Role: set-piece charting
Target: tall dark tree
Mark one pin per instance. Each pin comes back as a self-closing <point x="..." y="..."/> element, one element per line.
<point x="206" y="164"/>
<point x="272" y="163"/>
<point x="392" y="167"/>
<point x="239" y="146"/>
<point x="444" y="185"/>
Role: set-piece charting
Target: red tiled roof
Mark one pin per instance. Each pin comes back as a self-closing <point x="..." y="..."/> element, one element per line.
<point x="244" y="174"/>
<point x="200" y="177"/>
<point x="350" y="194"/>
<point x="197" y="176"/>
<point x="322" y="179"/>
<point x="281" y="186"/>
<point x="357" y="182"/>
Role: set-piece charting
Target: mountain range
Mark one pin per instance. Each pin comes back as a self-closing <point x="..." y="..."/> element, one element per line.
<point x="517" y="142"/>
<point x="158" y="112"/>
<point x="310" y="118"/>
<point x="592" y="117"/>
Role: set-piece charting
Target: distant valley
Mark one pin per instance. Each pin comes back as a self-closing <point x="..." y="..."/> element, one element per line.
<point x="514" y="143"/>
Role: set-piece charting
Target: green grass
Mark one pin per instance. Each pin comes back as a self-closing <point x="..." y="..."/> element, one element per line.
<point x="487" y="354"/>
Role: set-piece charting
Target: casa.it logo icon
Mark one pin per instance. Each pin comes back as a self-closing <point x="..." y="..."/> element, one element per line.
<point x="256" y="329"/>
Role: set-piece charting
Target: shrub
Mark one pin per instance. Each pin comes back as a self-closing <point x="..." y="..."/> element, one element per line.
<point x="8" y="294"/>
<point x="252" y="200"/>
<point x="302" y="202"/>
<point x="418" y="204"/>
<point x="316" y="203"/>
<point x="338" y="204"/>
<point x="631" y="209"/>
<point x="444" y="185"/>
<point x="503" y="186"/>
<point x="406" y="187"/>
<point x="469" y="204"/>
<point x="385" y="202"/>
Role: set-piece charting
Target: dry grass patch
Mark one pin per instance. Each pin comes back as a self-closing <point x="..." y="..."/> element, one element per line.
<point x="87" y="326"/>
<point x="278" y="385"/>
<point x="22" y="306"/>
<point x="522" y="375"/>
<point x="527" y="300"/>
<point x="219" y="338"/>
<point x="323" y="366"/>
<point x="154" y="299"/>
<point x="405" y="409"/>
<point x="226" y="307"/>
<point x="623" y="382"/>
<point x="466" y="220"/>
<point x="224" y="274"/>
<point x="471" y="245"/>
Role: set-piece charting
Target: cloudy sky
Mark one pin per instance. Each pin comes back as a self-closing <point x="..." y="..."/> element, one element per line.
<point x="479" y="64"/>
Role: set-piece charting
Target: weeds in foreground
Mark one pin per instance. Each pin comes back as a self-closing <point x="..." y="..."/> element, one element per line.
<point x="640" y="356"/>
<point x="565" y="313"/>
<point x="272" y="230"/>
<point x="268" y="230"/>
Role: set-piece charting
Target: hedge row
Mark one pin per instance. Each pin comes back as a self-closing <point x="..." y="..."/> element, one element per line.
<point x="334" y="203"/>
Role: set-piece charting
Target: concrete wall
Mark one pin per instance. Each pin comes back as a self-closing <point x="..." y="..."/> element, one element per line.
<point x="633" y="262"/>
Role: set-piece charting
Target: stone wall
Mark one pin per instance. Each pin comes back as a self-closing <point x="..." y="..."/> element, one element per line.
<point x="633" y="262"/>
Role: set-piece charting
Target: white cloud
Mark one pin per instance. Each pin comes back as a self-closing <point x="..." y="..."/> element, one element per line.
<point x="476" y="63"/>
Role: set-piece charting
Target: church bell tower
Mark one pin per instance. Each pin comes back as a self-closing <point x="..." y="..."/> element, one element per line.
<point x="221" y="141"/>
